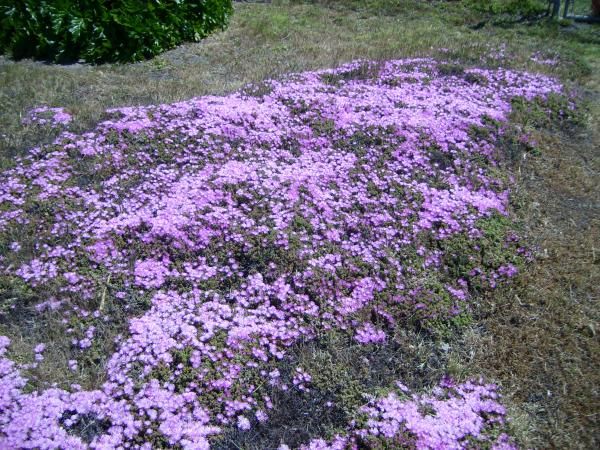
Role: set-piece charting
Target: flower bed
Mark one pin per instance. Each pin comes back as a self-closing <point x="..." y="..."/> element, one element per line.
<point x="361" y="199"/>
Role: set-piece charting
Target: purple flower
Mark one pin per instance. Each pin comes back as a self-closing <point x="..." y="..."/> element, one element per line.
<point x="45" y="115"/>
<point x="243" y="423"/>
<point x="368" y="334"/>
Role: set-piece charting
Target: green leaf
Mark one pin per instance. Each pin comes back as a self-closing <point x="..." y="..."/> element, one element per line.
<point x="101" y="31"/>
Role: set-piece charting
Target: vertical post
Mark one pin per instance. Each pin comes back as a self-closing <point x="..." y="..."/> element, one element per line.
<point x="555" y="8"/>
<point x="566" y="10"/>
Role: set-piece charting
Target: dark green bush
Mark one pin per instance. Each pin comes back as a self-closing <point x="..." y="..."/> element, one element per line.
<point x="105" y="30"/>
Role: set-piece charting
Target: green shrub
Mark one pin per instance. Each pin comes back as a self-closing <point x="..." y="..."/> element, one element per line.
<point x="105" y="30"/>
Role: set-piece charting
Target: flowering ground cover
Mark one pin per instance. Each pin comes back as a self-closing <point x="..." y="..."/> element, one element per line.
<point x="219" y="232"/>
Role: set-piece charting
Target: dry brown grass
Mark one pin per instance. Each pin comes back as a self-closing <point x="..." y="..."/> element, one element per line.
<point x="542" y="340"/>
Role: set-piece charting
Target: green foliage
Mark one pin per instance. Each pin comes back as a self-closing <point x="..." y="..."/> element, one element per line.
<point x="365" y="71"/>
<point x="445" y="328"/>
<point x="100" y="31"/>
<point x="13" y="289"/>
<point x="451" y="69"/>
<point x="486" y="253"/>
<point x="512" y="7"/>
<point x="554" y="111"/>
<point x="378" y="7"/>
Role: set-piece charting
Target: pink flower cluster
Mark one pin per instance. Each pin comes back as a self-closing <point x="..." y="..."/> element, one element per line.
<point x="453" y="416"/>
<point x="44" y="420"/>
<point x="247" y="224"/>
<point x="301" y="379"/>
<point x="45" y="115"/>
<point x="368" y="334"/>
